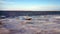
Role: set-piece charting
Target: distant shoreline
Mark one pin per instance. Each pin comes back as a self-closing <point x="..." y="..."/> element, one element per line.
<point x="28" y="13"/>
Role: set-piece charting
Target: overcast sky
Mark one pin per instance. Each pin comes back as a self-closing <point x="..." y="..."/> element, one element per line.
<point x="30" y="5"/>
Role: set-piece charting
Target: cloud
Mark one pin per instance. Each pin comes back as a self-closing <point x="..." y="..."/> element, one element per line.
<point x="27" y="7"/>
<point x="32" y="8"/>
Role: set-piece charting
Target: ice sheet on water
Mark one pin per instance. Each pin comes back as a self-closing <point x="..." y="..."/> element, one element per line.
<point x="17" y="24"/>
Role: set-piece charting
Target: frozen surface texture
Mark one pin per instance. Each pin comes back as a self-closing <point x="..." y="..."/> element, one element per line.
<point x="44" y="24"/>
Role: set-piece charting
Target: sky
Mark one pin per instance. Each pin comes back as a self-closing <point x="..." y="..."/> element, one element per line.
<point x="30" y="5"/>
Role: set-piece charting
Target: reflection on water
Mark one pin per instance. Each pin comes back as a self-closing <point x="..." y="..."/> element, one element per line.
<point x="43" y="24"/>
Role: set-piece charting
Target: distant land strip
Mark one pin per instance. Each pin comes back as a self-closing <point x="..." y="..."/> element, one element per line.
<point x="28" y="13"/>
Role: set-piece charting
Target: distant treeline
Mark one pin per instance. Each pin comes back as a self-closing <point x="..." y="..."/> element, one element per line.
<point x="28" y="13"/>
